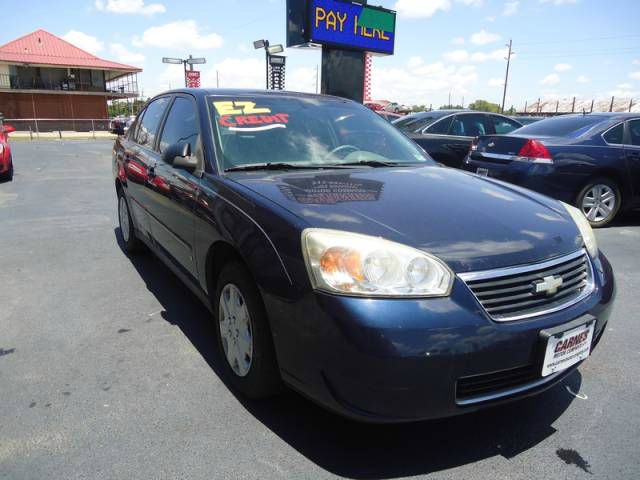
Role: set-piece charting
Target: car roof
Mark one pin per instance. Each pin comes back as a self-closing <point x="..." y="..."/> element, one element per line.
<point x="443" y="113"/>
<point x="203" y="92"/>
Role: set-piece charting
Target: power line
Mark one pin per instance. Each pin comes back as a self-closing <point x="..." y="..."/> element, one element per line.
<point x="581" y="40"/>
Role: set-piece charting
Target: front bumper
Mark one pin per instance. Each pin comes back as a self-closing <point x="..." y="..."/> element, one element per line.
<point x="396" y="360"/>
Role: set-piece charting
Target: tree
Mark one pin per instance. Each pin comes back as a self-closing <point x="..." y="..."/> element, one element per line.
<point x="125" y="107"/>
<point x="484" y="106"/>
<point x="451" y="107"/>
<point x="419" y="108"/>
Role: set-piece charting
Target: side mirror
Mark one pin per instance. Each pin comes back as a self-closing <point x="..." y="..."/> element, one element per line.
<point x="179" y="156"/>
<point x="8" y="129"/>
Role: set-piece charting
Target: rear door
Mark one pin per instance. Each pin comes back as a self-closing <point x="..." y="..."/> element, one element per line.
<point x="464" y="128"/>
<point x="139" y="162"/>
<point x="632" y="153"/>
<point x="178" y="187"/>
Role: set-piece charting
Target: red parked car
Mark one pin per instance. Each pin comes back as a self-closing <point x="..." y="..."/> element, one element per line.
<point x="6" y="163"/>
<point x="374" y="106"/>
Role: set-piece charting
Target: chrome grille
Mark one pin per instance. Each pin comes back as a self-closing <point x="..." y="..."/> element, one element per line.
<point x="521" y="292"/>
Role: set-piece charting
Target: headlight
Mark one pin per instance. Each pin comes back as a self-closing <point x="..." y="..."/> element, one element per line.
<point x="586" y="231"/>
<point x="353" y="264"/>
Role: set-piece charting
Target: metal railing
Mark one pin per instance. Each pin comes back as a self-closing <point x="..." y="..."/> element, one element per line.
<point x="61" y="127"/>
<point x="127" y="85"/>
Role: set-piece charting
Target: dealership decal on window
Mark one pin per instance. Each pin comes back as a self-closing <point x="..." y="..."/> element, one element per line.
<point x="247" y="117"/>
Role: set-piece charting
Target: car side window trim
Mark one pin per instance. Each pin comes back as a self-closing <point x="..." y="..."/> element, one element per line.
<point x="154" y="147"/>
<point x="443" y="119"/>
<point x="624" y="135"/>
<point x="462" y="114"/>
<point x="194" y="104"/>
<point x="627" y="134"/>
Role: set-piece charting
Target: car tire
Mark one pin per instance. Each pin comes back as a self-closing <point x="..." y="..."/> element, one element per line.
<point x="8" y="175"/>
<point x="600" y="201"/>
<point x="130" y="241"/>
<point x="243" y="334"/>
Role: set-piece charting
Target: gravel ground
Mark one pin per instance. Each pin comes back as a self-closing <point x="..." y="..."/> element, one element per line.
<point x="108" y="367"/>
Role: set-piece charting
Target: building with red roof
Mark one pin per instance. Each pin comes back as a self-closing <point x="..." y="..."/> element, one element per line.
<point x="44" y="76"/>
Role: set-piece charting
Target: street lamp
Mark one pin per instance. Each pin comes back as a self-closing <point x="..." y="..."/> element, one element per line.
<point x="187" y="61"/>
<point x="268" y="50"/>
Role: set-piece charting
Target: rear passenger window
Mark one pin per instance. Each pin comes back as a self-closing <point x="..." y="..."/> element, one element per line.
<point x="148" y="129"/>
<point x="441" y="127"/>
<point x="615" y="135"/>
<point x="504" y="125"/>
<point x="469" y="125"/>
<point x="634" y="131"/>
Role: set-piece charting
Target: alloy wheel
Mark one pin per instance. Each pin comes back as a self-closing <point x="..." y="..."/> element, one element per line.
<point x="599" y="203"/>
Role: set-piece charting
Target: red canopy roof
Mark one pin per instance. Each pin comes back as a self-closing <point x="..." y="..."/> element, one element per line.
<point x="44" y="48"/>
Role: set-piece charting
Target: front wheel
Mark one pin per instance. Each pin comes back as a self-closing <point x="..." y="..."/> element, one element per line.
<point x="243" y="332"/>
<point x="600" y="202"/>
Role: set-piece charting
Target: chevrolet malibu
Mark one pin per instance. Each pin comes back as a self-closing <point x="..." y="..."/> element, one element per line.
<point x="337" y="258"/>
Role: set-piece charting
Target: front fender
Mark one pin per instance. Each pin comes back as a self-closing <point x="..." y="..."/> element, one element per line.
<point x="255" y="228"/>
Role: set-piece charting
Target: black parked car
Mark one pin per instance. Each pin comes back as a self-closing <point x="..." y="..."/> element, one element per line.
<point x="446" y="135"/>
<point x="337" y="257"/>
<point x="591" y="161"/>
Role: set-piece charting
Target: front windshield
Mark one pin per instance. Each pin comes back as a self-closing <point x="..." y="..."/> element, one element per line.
<point x="305" y="131"/>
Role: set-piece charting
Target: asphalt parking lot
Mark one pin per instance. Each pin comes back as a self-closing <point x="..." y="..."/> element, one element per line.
<point x="108" y="367"/>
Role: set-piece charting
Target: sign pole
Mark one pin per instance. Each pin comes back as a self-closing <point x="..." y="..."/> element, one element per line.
<point x="186" y="84"/>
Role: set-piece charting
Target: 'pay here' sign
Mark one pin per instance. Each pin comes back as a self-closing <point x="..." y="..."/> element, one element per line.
<point x="354" y="26"/>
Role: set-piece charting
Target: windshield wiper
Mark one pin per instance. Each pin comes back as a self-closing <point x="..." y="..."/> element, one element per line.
<point x="373" y="163"/>
<point x="277" y="166"/>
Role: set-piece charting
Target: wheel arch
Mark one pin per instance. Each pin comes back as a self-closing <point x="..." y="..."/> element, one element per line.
<point x="608" y="173"/>
<point x="219" y="254"/>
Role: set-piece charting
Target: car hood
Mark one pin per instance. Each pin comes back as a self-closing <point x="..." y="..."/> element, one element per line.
<point x="472" y="223"/>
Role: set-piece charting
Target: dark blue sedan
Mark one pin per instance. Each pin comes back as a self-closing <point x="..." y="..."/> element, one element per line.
<point x="591" y="161"/>
<point x="337" y="258"/>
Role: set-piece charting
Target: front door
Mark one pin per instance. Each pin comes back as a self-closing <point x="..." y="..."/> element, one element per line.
<point x="177" y="188"/>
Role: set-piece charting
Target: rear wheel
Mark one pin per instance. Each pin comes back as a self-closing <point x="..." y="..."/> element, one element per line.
<point x="127" y="230"/>
<point x="600" y="201"/>
<point x="243" y="332"/>
<point x="8" y="175"/>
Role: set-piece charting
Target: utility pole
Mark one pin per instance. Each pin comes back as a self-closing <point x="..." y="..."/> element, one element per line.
<point x="449" y="104"/>
<point x="317" y="78"/>
<point x="506" y="77"/>
<point x="217" y="79"/>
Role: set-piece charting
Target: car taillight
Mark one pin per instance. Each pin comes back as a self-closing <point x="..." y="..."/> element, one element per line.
<point x="474" y="145"/>
<point x="535" y="152"/>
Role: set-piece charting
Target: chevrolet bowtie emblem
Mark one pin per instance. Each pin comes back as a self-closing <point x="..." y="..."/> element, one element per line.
<point x="548" y="285"/>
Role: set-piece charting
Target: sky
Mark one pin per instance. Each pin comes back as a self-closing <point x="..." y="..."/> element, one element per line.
<point x="563" y="48"/>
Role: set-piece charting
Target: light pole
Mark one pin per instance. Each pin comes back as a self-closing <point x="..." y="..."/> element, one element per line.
<point x="268" y="50"/>
<point x="506" y="77"/>
<point x="187" y="61"/>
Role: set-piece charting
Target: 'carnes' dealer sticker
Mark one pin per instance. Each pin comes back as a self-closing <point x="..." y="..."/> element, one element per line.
<point x="247" y="117"/>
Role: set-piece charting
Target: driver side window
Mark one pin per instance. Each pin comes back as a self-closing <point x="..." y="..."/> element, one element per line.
<point x="181" y="126"/>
